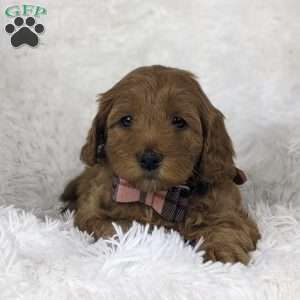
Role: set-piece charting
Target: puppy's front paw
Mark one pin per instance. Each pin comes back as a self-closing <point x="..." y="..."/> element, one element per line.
<point x="99" y="227"/>
<point x="225" y="253"/>
<point x="104" y="229"/>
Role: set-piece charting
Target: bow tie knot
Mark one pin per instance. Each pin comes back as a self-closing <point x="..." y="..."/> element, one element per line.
<point x="170" y="204"/>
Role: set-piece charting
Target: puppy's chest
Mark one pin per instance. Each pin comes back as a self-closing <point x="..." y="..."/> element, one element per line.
<point x="139" y="212"/>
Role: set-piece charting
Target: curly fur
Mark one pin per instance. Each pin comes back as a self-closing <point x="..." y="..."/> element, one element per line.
<point x="201" y="153"/>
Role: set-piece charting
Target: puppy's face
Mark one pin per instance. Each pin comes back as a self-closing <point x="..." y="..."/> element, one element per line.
<point x="154" y="136"/>
<point x="156" y="122"/>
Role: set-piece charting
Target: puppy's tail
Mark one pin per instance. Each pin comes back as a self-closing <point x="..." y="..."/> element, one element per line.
<point x="70" y="195"/>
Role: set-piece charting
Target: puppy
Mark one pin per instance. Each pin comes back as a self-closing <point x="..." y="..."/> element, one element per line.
<point x="158" y="153"/>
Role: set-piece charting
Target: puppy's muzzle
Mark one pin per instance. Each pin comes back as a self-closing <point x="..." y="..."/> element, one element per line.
<point x="149" y="160"/>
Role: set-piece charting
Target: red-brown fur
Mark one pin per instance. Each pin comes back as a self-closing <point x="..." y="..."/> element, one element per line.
<point x="201" y="153"/>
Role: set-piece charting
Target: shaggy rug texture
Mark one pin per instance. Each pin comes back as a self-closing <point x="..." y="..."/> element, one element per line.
<point x="52" y="260"/>
<point x="247" y="57"/>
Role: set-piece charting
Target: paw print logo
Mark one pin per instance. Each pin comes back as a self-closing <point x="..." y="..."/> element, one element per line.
<point x="22" y="34"/>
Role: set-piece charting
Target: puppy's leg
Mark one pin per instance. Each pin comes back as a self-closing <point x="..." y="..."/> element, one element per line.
<point x="94" y="213"/>
<point x="70" y="195"/>
<point x="98" y="223"/>
<point x="77" y="186"/>
<point x="228" y="237"/>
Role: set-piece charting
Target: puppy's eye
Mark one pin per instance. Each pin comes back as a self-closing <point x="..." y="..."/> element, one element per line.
<point x="126" y="121"/>
<point x="179" y="122"/>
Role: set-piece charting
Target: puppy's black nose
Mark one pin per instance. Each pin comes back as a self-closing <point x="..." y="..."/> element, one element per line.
<point x="149" y="160"/>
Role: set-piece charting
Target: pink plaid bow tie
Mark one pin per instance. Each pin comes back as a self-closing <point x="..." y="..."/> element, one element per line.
<point x="170" y="204"/>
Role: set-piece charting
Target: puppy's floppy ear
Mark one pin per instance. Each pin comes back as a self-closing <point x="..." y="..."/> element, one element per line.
<point x="97" y="134"/>
<point x="216" y="161"/>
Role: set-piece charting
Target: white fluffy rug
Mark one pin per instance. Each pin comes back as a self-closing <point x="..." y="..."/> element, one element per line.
<point x="247" y="54"/>
<point x="52" y="260"/>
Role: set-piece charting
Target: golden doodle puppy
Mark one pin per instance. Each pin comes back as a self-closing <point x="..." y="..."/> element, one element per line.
<point x="158" y="153"/>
